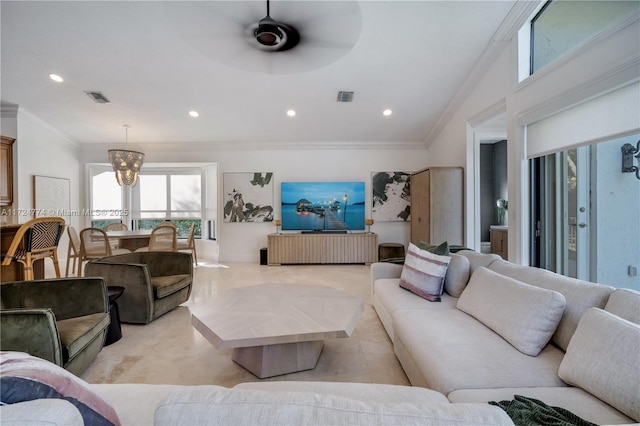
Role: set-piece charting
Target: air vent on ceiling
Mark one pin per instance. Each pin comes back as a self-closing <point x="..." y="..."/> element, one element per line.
<point x="98" y="97"/>
<point x="345" y="96"/>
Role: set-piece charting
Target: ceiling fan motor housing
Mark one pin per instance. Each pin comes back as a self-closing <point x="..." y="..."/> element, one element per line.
<point x="268" y="33"/>
<point x="273" y="36"/>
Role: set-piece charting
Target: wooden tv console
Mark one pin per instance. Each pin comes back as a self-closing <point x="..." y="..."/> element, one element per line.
<point x="322" y="248"/>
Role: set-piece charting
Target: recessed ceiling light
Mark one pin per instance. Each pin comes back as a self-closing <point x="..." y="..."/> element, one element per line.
<point x="387" y="112"/>
<point x="56" y="78"/>
<point x="194" y="114"/>
<point x="291" y="113"/>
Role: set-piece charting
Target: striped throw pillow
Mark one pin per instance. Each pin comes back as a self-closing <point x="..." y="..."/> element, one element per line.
<point x="423" y="273"/>
<point x="25" y="378"/>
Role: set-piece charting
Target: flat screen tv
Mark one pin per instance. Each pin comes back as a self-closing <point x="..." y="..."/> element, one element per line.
<point x="323" y="206"/>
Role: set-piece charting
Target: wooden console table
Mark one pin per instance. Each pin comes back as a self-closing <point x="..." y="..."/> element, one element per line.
<point x="322" y="248"/>
<point x="499" y="238"/>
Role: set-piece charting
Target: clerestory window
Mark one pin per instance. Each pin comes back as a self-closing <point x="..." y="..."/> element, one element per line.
<point x="560" y="26"/>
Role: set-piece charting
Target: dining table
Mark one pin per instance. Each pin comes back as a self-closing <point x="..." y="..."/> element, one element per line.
<point x="131" y="239"/>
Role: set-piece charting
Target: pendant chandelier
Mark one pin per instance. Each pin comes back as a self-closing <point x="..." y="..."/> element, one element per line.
<point x="126" y="163"/>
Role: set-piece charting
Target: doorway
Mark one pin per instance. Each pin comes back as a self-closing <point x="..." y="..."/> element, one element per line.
<point x="493" y="188"/>
<point x="483" y="132"/>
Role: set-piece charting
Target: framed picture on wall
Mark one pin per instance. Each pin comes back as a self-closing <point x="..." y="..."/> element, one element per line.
<point x="51" y="197"/>
<point x="248" y="197"/>
<point x="391" y="197"/>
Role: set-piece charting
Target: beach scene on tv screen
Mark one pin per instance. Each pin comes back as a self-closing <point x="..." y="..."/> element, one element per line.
<point x="335" y="206"/>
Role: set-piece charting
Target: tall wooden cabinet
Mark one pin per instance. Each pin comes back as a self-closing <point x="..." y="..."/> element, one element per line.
<point x="6" y="169"/>
<point x="437" y="205"/>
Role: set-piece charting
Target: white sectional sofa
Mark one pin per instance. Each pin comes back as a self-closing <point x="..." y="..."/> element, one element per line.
<point x="588" y="362"/>
<point x="295" y="403"/>
<point x="503" y="329"/>
<point x="265" y="403"/>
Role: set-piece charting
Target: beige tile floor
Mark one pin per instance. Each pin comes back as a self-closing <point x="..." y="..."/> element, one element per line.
<point x="170" y="350"/>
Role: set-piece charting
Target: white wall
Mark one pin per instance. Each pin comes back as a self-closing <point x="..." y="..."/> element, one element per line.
<point x="449" y="148"/>
<point x="41" y="150"/>
<point x="241" y="242"/>
<point x="9" y="127"/>
<point x="617" y="230"/>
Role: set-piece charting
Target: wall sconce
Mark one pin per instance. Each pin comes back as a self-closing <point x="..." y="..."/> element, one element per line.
<point x="628" y="152"/>
<point x="368" y="222"/>
<point x="277" y="223"/>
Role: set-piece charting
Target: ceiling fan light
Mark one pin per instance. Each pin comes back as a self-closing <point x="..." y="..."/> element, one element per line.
<point x="268" y="38"/>
<point x="268" y="32"/>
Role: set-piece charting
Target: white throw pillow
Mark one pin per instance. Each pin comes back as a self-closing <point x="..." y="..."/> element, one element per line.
<point x="524" y="315"/>
<point x="603" y="358"/>
<point x="423" y="273"/>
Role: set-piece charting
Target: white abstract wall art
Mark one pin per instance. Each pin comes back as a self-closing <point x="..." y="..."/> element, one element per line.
<point x="51" y="196"/>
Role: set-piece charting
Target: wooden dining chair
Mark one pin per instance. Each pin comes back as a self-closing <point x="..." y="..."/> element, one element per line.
<point x="116" y="227"/>
<point x="94" y="244"/>
<point x="37" y="239"/>
<point x="73" y="252"/>
<point x="163" y="238"/>
<point x="115" y="244"/>
<point x="189" y="243"/>
<point x="167" y="223"/>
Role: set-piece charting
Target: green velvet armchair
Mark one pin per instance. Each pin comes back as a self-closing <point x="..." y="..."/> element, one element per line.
<point x="155" y="282"/>
<point x="62" y="320"/>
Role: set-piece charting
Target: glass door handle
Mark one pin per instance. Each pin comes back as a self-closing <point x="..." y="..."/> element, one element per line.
<point x="582" y="225"/>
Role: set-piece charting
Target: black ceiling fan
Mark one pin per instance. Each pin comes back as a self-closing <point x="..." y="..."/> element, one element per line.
<point x="311" y="33"/>
<point x="274" y="36"/>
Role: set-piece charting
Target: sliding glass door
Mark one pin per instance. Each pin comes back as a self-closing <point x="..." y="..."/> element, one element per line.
<point x="586" y="214"/>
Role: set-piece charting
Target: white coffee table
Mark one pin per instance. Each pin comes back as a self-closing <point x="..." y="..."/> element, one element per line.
<point x="277" y="329"/>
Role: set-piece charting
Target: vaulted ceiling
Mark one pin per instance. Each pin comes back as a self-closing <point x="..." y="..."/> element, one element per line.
<point x="156" y="61"/>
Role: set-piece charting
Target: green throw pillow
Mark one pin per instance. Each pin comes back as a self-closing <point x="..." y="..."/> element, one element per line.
<point x="455" y="248"/>
<point x="442" y="249"/>
<point x="396" y="260"/>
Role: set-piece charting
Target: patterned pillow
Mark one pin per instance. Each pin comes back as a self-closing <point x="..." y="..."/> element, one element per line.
<point x="25" y="378"/>
<point x="423" y="273"/>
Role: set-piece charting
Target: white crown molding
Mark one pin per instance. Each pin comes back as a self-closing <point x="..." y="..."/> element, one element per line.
<point x="516" y="18"/>
<point x="488" y="57"/>
<point x="254" y="146"/>
<point x="9" y="111"/>
<point x="521" y="12"/>
<point x="488" y="113"/>
<point x="23" y="112"/>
